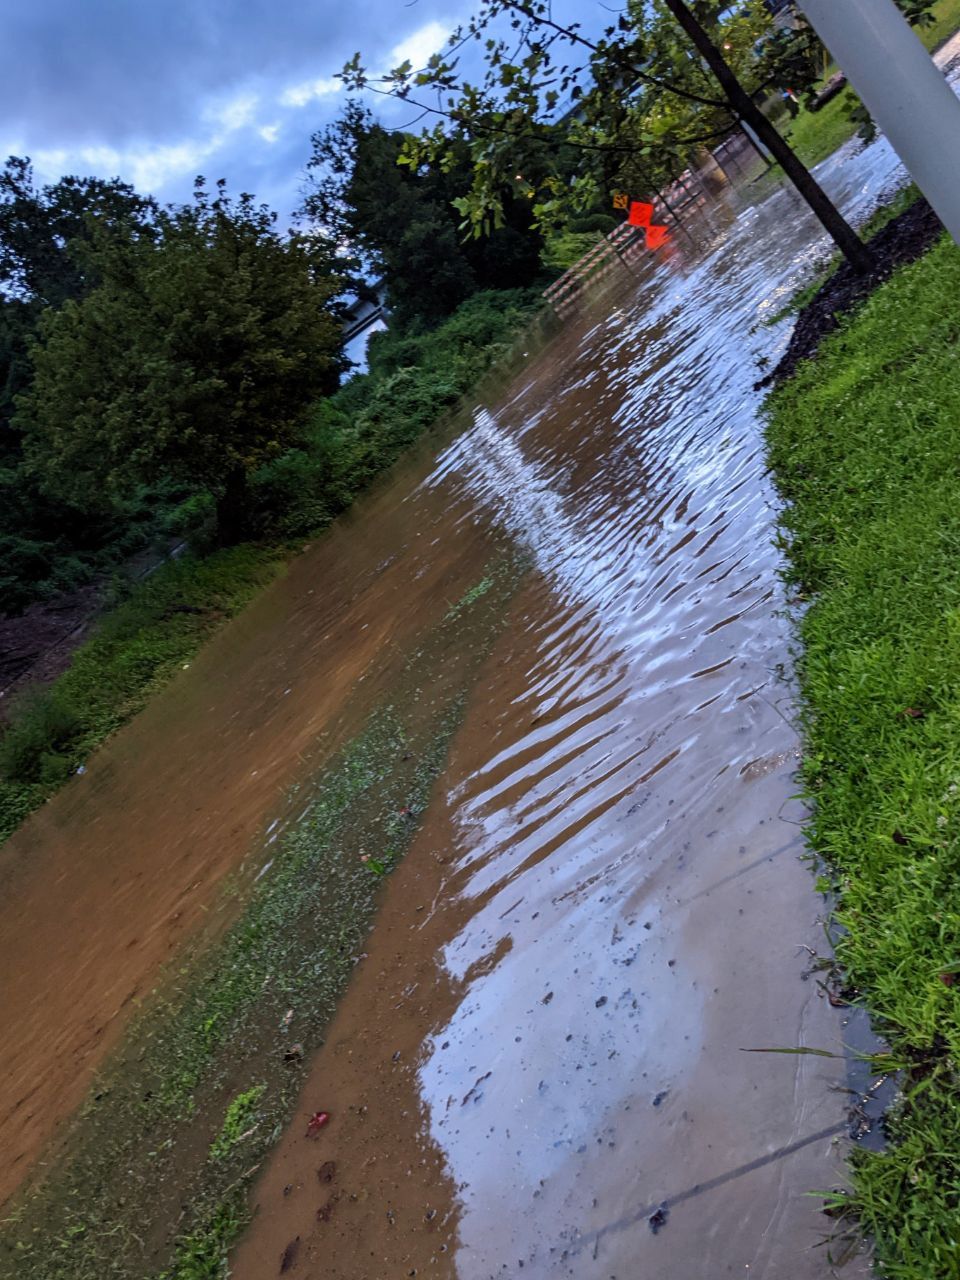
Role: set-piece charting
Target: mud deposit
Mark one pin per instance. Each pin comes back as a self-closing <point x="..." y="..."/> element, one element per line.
<point x="538" y="1067"/>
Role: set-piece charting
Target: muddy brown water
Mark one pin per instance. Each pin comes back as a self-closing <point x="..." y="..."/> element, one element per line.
<point x="605" y="907"/>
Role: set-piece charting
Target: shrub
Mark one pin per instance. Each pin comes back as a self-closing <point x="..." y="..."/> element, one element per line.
<point x="562" y="251"/>
<point x="415" y="376"/>
<point x="32" y="749"/>
<point x="602" y="222"/>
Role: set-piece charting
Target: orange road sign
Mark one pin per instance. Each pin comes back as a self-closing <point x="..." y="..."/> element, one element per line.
<point x="641" y="214"/>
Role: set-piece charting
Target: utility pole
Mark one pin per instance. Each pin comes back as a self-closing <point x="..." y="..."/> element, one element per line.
<point x="746" y="110"/>
<point x="902" y="88"/>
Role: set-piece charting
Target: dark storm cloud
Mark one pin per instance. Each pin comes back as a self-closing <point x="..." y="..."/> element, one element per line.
<point x="158" y="90"/>
<point x="111" y="70"/>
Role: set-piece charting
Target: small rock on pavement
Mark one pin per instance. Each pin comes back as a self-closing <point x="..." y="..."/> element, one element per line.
<point x="659" y="1219"/>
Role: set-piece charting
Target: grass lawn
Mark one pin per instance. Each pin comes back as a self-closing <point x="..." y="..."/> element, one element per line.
<point x="946" y="20"/>
<point x="815" y="135"/>
<point x="863" y="444"/>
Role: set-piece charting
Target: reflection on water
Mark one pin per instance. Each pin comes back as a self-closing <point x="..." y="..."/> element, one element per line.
<point x="616" y="906"/>
<point x="604" y="907"/>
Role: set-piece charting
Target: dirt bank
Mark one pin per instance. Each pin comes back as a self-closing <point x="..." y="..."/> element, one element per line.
<point x="37" y="646"/>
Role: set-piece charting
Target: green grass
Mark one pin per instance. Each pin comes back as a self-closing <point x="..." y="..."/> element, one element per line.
<point x="240" y="1121"/>
<point x="864" y="447"/>
<point x="133" y="651"/>
<point x="946" y="20"/>
<point x="563" y="250"/>
<point x="814" y="135"/>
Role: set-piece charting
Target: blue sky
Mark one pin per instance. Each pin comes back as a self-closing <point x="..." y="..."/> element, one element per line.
<point x="156" y="91"/>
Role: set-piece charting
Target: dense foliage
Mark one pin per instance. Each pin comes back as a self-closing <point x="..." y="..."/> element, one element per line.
<point x="195" y="359"/>
<point x="47" y="237"/>
<point x="403" y="221"/>
<point x="412" y="380"/>
<point x="148" y="357"/>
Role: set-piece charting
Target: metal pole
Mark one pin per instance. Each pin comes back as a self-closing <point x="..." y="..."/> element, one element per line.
<point x="902" y="88"/>
<point x="754" y="141"/>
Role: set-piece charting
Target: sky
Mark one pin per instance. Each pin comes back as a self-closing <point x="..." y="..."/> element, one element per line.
<point x="157" y="91"/>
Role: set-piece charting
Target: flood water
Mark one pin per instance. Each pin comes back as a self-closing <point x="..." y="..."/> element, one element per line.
<point x="541" y="1067"/>
<point x="604" y="909"/>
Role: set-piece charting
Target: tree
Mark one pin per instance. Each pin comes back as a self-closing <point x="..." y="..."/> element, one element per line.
<point x="196" y="357"/>
<point x="46" y="234"/>
<point x="46" y="231"/>
<point x="402" y="221"/>
<point x="47" y="239"/>
<point x="516" y="105"/>
<point x="746" y="110"/>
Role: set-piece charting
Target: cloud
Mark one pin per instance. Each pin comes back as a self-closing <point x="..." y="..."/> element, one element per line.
<point x="154" y="91"/>
<point x="151" y="168"/>
<point x="300" y="94"/>
<point x="417" y="47"/>
<point x="235" y="112"/>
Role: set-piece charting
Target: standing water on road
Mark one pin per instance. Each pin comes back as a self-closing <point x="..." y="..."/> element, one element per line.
<point x="540" y="1067"/>
<point x="539" y="1064"/>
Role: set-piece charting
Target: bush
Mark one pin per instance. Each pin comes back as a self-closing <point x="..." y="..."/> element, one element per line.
<point x="305" y="488"/>
<point x="602" y="222"/>
<point x="562" y="251"/>
<point x="26" y="562"/>
<point x="34" y="747"/>
<point x="414" y="377"/>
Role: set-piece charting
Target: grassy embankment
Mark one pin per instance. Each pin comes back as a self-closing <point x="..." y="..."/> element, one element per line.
<point x="816" y="135"/>
<point x="349" y="441"/>
<point x="822" y="272"/>
<point x="863" y="444"/>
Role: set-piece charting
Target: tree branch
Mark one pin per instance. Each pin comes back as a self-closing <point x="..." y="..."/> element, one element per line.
<point x="576" y="38"/>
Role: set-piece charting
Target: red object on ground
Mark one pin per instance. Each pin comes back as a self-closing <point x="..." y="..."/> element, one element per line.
<point x="656" y="236"/>
<point x="316" y="1123"/>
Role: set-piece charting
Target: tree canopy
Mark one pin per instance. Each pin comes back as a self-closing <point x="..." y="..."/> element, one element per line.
<point x="635" y="101"/>
<point x="194" y="357"/>
<point x="402" y="219"/>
